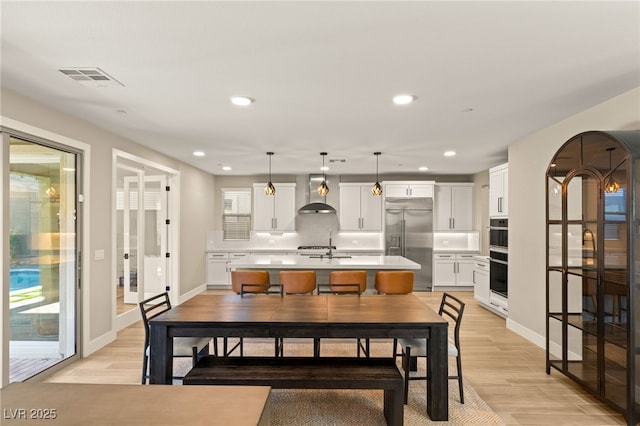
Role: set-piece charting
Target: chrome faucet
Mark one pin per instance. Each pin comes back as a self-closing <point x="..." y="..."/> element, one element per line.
<point x="330" y="253"/>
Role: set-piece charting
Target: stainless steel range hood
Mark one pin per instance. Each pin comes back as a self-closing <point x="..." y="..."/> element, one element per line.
<point x="316" y="203"/>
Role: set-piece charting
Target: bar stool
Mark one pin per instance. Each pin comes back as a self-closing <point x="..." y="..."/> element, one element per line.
<point x="298" y="282"/>
<point x="258" y="279"/>
<point x="346" y="282"/>
<point x="258" y="283"/>
<point x="394" y="282"/>
<point x="344" y="278"/>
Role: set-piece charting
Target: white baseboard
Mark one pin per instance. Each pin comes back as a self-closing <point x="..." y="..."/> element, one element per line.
<point x="539" y="340"/>
<point x="188" y="295"/>
<point x="531" y="336"/>
<point x="98" y="343"/>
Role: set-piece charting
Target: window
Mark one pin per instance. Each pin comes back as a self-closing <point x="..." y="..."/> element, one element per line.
<point x="615" y="206"/>
<point x="236" y="214"/>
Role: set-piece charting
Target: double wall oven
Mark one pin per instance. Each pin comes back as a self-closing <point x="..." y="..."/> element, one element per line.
<point x="498" y="256"/>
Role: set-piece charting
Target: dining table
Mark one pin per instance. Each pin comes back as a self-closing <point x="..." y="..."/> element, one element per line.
<point x="307" y="316"/>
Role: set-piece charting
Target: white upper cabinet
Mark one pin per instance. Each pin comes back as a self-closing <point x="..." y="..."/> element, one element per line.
<point x="360" y="210"/>
<point x="499" y="191"/>
<point x="274" y="212"/>
<point x="453" y="207"/>
<point x="409" y="189"/>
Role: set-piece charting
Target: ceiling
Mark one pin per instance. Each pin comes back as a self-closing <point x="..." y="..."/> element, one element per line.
<point x="486" y="74"/>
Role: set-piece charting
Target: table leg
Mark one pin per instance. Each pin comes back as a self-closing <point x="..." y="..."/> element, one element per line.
<point x="160" y="355"/>
<point x="394" y="406"/>
<point x="437" y="371"/>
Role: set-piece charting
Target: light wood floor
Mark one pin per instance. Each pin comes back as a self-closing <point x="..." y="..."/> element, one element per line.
<point x="507" y="371"/>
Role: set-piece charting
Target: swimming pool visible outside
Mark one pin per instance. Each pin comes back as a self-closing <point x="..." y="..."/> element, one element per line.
<point x="23" y="278"/>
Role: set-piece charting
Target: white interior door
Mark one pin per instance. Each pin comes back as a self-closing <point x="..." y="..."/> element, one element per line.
<point x="133" y="222"/>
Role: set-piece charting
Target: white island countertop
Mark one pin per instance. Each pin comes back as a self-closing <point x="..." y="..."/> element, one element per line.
<point x="265" y="261"/>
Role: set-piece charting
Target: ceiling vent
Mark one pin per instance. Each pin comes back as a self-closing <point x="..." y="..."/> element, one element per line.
<point x="90" y="77"/>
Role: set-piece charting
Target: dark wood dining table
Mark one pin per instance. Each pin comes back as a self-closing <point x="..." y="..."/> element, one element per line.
<point x="314" y="316"/>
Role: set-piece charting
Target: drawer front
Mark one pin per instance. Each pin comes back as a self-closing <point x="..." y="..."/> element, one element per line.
<point x="217" y="256"/>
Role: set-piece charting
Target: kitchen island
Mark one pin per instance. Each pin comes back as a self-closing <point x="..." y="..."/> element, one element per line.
<point x="324" y="264"/>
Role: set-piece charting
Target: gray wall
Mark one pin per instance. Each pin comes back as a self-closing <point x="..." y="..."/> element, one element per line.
<point x="195" y="184"/>
<point x="528" y="162"/>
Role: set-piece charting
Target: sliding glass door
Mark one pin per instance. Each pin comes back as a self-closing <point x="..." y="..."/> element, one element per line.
<point x="43" y="288"/>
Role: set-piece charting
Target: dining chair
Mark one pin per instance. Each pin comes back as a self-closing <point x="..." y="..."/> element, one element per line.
<point x="452" y="309"/>
<point x="246" y="283"/>
<point x="183" y="347"/>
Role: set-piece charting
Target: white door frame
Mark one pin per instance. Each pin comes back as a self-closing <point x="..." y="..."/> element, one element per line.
<point x="173" y="268"/>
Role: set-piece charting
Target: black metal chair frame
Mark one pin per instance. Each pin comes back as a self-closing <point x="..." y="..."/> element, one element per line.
<point x="342" y="288"/>
<point x="149" y="309"/>
<point x="246" y="289"/>
<point x="453" y="308"/>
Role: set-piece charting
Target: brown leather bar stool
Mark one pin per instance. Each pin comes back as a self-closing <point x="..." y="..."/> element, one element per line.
<point x="298" y="282"/>
<point x="254" y="282"/>
<point x="343" y="279"/>
<point x="347" y="277"/>
<point x="394" y="282"/>
<point x="259" y="278"/>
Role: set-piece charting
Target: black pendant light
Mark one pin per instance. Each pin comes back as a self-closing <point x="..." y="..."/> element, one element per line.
<point x="323" y="189"/>
<point x="270" y="189"/>
<point x="377" y="188"/>
<point x="611" y="186"/>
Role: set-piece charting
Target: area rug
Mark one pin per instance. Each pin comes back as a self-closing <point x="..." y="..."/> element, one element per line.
<point x="359" y="407"/>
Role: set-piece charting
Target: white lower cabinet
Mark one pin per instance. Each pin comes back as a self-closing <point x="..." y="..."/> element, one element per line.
<point x="218" y="270"/>
<point x="481" y="290"/>
<point x="453" y="269"/>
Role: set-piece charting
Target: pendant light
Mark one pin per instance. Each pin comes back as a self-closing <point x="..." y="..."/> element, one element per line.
<point x="270" y="189"/>
<point x="377" y="188"/>
<point x="323" y="189"/>
<point x="611" y="186"/>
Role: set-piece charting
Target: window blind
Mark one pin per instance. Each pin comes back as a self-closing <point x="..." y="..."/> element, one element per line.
<point x="236" y="215"/>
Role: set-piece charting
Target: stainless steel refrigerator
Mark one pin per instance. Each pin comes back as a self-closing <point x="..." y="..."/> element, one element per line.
<point x="409" y="233"/>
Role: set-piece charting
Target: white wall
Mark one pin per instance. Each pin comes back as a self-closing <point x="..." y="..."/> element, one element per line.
<point x="196" y="215"/>
<point x="528" y="162"/>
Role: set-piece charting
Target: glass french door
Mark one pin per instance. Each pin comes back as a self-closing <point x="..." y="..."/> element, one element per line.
<point x="141" y="221"/>
<point x="44" y="271"/>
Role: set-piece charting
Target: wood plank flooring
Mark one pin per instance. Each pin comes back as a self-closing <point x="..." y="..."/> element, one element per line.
<point x="507" y="371"/>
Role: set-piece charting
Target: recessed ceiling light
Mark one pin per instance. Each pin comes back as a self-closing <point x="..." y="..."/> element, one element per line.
<point x="242" y="100"/>
<point x="198" y="153"/>
<point x="226" y="168"/>
<point x="423" y="168"/>
<point x="404" y="99"/>
<point x="449" y="153"/>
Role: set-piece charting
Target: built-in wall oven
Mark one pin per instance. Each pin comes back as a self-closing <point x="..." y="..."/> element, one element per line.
<point x="498" y="256"/>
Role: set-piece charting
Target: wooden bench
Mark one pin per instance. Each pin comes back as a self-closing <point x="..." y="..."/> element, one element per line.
<point x="307" y="373"/>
